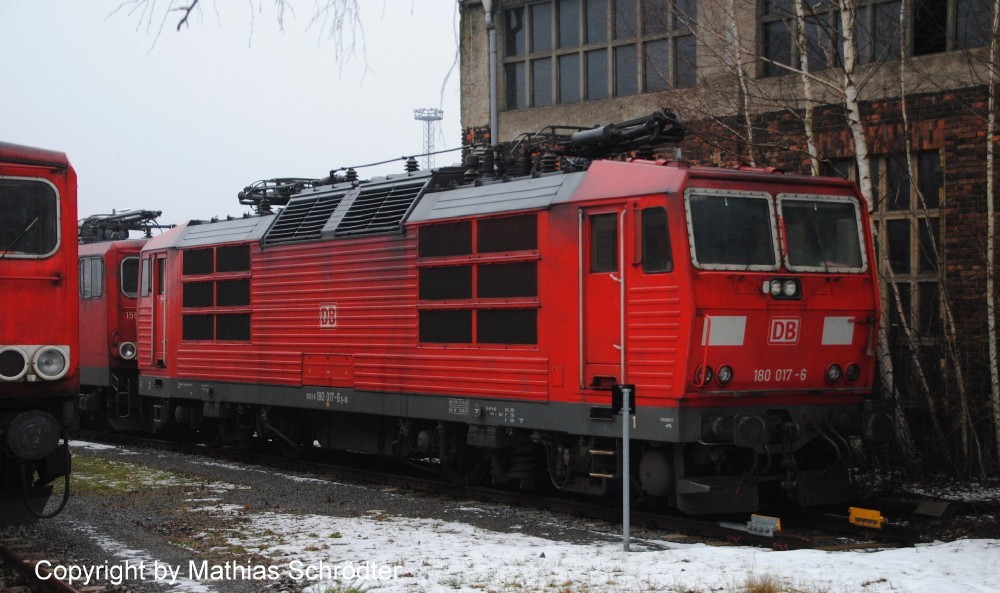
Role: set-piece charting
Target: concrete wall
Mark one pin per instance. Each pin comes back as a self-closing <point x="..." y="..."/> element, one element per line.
<point x="718" y="88"/>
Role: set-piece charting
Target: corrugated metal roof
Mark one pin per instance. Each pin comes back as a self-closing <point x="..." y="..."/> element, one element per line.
<point x="519" y="194"/>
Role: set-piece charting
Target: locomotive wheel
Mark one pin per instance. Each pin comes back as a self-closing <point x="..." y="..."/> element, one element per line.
<point x="466" y="466"/>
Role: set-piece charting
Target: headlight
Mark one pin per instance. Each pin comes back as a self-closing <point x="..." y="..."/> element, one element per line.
<point x="783" y="288"/>
<point x="725" y="375"/>
<point x="703" y="375"/>
<point x="50" y="362"/>
<point x="126" y="350"/>
<point x="833" y="373"/>
<point x="13" y="363"/>
<point x="852" y="373"/>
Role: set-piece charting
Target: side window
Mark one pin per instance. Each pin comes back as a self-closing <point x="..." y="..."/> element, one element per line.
<point x="604" y="243"/>
<point x="128" y="275"/>
<point x="656" y="254"/>
<point x="91" y="277"/>
<point x="161" y="265"/>
<point x="144" y="278"/>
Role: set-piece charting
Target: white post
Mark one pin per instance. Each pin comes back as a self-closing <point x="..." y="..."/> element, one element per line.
<point x="626" y="485"/>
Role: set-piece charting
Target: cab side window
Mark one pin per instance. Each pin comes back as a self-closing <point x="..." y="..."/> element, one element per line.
<point x="656" y="254"/>
<point x="91" y="277"/>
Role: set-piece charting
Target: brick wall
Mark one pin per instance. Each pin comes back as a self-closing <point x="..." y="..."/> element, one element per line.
<point x="953" y="123"/>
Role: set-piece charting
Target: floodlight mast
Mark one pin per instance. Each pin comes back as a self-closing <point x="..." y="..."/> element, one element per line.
<point x="430" y="116"/>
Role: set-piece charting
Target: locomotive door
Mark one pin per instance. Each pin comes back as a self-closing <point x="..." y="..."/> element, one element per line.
<point x="602" y="289"/>
<point x="158" y="326"/>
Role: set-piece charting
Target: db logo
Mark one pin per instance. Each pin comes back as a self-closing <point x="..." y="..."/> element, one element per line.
<point x="328" y="316"/>
<point x="784" y="330"/>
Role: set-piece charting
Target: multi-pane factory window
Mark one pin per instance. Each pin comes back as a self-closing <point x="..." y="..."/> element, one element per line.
<point x="478" y="281"/>
<point x="907" y="214"/>
<point x="567" y="51"/>
<point x="933" y="26"/>
<point x="215" y="293"/>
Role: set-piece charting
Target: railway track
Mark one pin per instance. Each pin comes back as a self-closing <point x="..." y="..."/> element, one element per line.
<point x="32" y="573"/>
<point x="802" y="528"/>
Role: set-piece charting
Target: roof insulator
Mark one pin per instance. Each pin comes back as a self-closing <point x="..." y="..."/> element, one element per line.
<point x="547" y="164"/>
<point x="411" y="165"/>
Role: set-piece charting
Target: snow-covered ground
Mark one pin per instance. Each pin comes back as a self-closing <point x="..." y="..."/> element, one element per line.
<point x="394" y="554"/>
<point x="380" y="551"/>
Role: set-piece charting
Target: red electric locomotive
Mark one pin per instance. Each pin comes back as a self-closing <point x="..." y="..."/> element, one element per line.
<point x="109" y="282"/>
<point x="39" y="327"/>
<point x="483" y="320"/>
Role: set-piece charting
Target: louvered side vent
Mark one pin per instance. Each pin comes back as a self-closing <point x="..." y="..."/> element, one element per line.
<point x="379" y="209"/>
<point x="302" y="219"/>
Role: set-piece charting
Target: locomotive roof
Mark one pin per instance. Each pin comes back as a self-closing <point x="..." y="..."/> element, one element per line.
<point x="384" y="206"/>
<point x="103" y="247"/>
<point x="520" y="194"/>
<point x="197" y="233"/>
<point x="27" y="155"/>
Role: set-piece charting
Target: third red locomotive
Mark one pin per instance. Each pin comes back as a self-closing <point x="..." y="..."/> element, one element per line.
<point x="482" y="318"/>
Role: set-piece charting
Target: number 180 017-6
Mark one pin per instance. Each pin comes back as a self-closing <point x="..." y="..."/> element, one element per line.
<point x="780" y="375"/>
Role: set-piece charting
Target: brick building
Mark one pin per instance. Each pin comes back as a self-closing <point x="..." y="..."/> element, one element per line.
<point x="733" y="71"/>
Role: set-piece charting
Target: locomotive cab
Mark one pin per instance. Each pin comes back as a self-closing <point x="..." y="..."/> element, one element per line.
<point x="39" y="327"/>
<point x="109" y="273"/>
<point x="781" y="353"/>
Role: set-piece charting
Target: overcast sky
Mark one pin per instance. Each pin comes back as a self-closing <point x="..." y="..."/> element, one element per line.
<point x="182" y="122"/>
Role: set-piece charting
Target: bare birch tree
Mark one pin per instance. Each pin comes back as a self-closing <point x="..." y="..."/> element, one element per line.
<point x="991" y="312"/>
<point x="807" y="90"/>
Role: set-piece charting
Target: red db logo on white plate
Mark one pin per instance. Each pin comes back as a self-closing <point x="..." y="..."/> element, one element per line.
<point x="784" y="330"/>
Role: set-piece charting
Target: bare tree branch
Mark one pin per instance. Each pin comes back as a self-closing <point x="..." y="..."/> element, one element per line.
<point x="186" y="10"/>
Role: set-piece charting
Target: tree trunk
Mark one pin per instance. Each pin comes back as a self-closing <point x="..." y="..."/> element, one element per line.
<point x="807" y="92"/>
<point x="991" y="312"/>
<point x="848" y="16"/>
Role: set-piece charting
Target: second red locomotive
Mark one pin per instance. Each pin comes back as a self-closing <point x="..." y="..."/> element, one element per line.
<point x="109" y="283"/>
<point x="483" y="321"/>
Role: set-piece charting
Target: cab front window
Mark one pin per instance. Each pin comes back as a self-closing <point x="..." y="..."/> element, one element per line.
<point x="731" y="230"/>
<point x="822" y="233"/>
<point x="29" y="218"/>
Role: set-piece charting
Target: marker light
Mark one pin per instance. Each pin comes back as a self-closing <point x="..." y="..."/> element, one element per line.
<point x="833" y="373"/>
<point x="126" y="350"/>
<point x="701" y="378"/>
<point x="725" y="375"/>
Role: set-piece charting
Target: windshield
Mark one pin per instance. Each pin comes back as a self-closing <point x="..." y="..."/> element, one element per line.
<point x="822" y="233"/>
<point x="731" y="230"/>
<point x="29" y="218"/>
